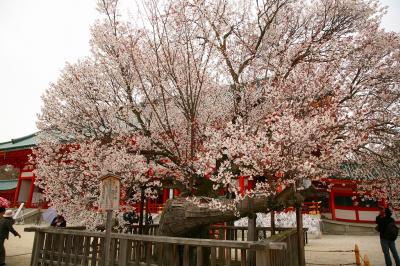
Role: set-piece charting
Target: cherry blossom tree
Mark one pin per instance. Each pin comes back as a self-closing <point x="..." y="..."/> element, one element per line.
<point x="207" y="91"/>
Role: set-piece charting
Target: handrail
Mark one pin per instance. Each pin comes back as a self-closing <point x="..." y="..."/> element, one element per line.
<point x="164" y="239"/>
<point x="258" y="227"/>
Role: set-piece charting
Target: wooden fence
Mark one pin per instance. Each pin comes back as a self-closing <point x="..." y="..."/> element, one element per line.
<point x="58" y="246"/>
<point x="221" y="232"/>
<point x="239" y="233"/>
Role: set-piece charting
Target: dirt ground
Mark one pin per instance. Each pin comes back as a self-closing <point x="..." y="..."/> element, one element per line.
<point x="328" y="250"/>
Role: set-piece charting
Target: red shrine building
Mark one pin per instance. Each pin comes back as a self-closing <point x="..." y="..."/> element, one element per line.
<point x="14" y="156"/>
<point x="334" y="199"/>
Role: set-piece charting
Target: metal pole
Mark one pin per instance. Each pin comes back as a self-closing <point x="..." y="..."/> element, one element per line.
<point x="108" y="238"/>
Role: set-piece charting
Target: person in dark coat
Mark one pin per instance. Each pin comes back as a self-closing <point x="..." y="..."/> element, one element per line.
<point x="59" y="221"/>
<point x="150" y="219"/>
<point x="383" y="219"/>
<point x="6" y="226"/>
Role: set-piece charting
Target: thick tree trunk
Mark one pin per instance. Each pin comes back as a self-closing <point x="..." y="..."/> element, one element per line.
<point x="182" y="218"/>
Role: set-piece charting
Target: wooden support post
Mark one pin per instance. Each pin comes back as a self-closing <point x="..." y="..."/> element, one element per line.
<point x="300" y="236"/>
<point x="108" y="237"/>
<point x="122" y="254"/>
<point x="272" y="222"/>
<point x="357" y="254"/>
<point x="251" y="236"/>
<point x="263" y="258"/>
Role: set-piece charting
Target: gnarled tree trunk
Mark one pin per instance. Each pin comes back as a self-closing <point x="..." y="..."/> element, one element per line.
<point x="181" y="217"/>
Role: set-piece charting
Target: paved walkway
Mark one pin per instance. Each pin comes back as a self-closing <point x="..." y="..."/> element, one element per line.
<point x="338" y="250"/>
<point x="18" y="250"/>
<point x="328" y="250"/>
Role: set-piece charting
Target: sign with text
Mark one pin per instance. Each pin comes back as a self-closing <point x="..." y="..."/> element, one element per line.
<point x="109" y="192"/>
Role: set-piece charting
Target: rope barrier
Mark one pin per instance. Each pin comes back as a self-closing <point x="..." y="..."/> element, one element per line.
<point x="330" y="264"/>
<point x="342" y="251"/>
<point x="356" y="250"/>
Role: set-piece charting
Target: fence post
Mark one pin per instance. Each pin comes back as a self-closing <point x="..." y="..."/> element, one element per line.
<point x="251" y="236"/>
<point x="300" y="235"/>
<point x="33" y="256"/>
<point x="272" y="222"/>
<point x="108" y="238"/>
<point x="366" y="261"/>
<point x="357" y="253"/>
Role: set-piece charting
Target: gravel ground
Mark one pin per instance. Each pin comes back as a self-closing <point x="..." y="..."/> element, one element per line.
<point x="327" y="250"/>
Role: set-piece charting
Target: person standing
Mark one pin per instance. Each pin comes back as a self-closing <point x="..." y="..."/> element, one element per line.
<point x="59" y="221"/>
<point x="6" y="226"/>
<point x="385" y="222"/>
<point x="150" y="219"/>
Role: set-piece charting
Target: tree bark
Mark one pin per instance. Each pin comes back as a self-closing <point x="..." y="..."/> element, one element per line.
<point x="181" y="217"/>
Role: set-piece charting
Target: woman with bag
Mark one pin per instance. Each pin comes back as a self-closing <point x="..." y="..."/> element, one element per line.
<point x="388" y="234"/>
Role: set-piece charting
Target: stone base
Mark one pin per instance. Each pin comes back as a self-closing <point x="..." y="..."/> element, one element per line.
<point x="331" y="227"/>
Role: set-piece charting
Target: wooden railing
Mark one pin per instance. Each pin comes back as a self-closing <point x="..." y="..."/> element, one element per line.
<point x="57" y="246"/>
<point x="150" y="229"/>
<point x="221" y="232"/>
<point x="239" y="233"/>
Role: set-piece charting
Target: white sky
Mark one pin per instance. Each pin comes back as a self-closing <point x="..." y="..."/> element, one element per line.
<point x="37" y="37"/>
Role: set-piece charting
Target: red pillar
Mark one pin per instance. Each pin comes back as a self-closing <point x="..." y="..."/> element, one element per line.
<point x="250" y="184"/>
<point x="332" y="204"/>
<point x="17" y="191"/>
<point x="241" y="185"/>
<point x="176" y="193"/>
<point x="165" y="195"/>
<point x="355" y="204"/>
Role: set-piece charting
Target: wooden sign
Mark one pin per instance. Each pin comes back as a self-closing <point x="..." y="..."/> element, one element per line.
<point x="109" y="192"/>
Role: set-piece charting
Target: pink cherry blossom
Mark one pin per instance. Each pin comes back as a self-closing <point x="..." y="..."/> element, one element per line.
<point x="283" y="90"/>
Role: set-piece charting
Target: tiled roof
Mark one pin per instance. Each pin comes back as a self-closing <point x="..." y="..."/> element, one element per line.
<point x="8" y="184"/>
<point x="19" y="144"/>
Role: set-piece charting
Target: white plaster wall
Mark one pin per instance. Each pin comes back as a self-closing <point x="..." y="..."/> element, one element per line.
<point x="367" y="215"/>
<point x="345" y="214"/>
<point x="24" y="191"/>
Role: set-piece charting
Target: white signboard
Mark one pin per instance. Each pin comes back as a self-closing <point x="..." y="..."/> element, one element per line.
<point x="109" y="192"/>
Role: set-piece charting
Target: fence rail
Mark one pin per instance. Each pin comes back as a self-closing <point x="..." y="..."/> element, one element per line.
<point x="54" y="246"/>
<point x="239" y="233"/>
<point x="221" y="232"/>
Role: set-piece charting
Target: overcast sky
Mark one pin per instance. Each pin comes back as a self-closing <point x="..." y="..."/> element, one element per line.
<point x="37" y="37"/>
